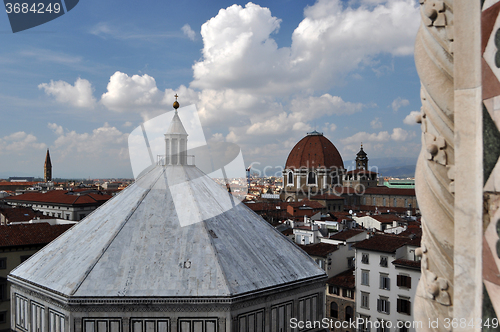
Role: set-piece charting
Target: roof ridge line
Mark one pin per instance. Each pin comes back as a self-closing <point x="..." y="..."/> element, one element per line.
<point x="87" y="272"/>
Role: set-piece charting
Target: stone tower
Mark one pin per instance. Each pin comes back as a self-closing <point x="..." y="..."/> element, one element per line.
<point x="47" y="168"/>
<point x="361" y="159"/>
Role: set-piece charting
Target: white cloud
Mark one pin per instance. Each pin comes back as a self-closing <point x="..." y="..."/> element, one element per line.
<point x="58" y="130"/>
<point x="398" y="103"/>
<point x="399" y="134"/>
<point x="331" y="41"/>
<point x="362" y="136"/>
<point x="139" y="94"/>
<point x="376" y="123"/>
<point x="79" y="94"/>
<point x="186" y="29"/>
<point x="131" y="92"/>
<point x="327" y="104"/>
<point x="20" y="143"/>
<point x="411" y="119"/>
<point x="104" y="145"/>
<point x="127" y="124"/>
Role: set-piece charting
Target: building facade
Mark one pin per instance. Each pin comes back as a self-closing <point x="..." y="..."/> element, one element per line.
<point x="387" y="274"/>
<point x="61" y="204"/>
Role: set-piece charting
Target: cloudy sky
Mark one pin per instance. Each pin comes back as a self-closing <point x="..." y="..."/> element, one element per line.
<point x="260" y="74"/>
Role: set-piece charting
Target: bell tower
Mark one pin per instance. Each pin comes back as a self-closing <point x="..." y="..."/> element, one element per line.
<point x="47" y="168"/>
<point x="361" y="159"/>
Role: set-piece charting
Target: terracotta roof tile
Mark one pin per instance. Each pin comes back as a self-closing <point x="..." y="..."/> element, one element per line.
<point x="30" y="234"/>
<point x="319" y="249"/>
<point x="19" y="214"/>
<point x="407" y="262"/>
<point x="314" y="151"/>
<point x="383" y="190"/>
<point x="383" y="243"/>
<point x="344" y="279"/>
<point x="61" y="197"/>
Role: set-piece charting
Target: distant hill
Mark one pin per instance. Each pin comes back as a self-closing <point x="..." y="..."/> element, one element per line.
<point x="396" y="167"/>
<point x="407" y="171"/>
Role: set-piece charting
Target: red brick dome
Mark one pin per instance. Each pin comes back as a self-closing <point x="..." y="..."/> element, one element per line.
<point x="314" y="151"/>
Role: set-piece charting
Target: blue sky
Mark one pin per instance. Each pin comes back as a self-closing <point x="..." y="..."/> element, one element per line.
<point x="261" y="75"/>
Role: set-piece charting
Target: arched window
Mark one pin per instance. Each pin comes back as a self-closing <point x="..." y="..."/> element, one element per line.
<point x="395" y="202"/>
<point x="334" y="310"/>
<point x="311" y="178"/>
<point x="348" y="313"/>
<point x="290" y="178"/>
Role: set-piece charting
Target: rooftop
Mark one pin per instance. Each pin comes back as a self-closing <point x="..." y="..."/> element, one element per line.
<point x="319" y="249"/>
<point x="19" y="214"/>
<point x="383" y="190"/>
<point x="383" y="243"/>
<point x="344" y="279"/>
<point x="173" y="233"/>
<point x="347" y="234"/>
<point x="61" y="197"/>
<point x="30" y="234"/>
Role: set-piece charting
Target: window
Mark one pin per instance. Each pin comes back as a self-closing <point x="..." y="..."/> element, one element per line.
<point x="3" y="289"/>
<point x="384" y="201"/>
<point x="383" y="261"/>
<point x="404" y="326"/>
<point x="321" y="263"/>
<point x="404" y="306"/>
<point x="403" y="281"/>
<point x="334" y="310"/>
<point x="21" y="310"/>
<point x="364" y="327"/>
<point x="406" y="202"/>
<point x="383" y="305"/>
<point x="383" y="326"/>
<point x="374" y="201"/>
<point x="290" y="178"/>
<point x="348" y="313"/>
<point x="348" y="293"/>
<point x="365" y="277"/>
<point x="3" y="263"/>
<point x="333" y="290"/>
<point x="365" y="300"/>
<point x="3" y="317"/>
<point x="395" y="203"/>
<point x="365" y="258"/>
<point x="311" y="178"/>
<point x="385" y="282"/>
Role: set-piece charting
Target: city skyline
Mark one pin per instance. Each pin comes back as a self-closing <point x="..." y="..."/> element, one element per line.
<point x="260" y="74"/>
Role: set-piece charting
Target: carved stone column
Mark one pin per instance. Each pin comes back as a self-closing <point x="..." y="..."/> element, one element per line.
<point x="435" y="166"/>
